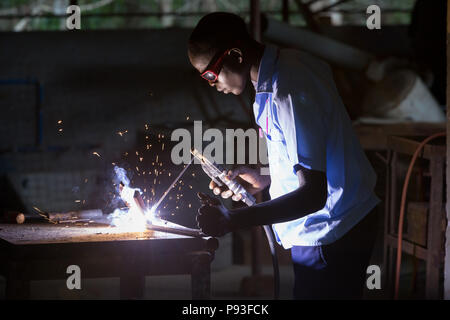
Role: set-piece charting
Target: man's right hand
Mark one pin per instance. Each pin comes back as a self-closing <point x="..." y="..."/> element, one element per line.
<point x="249" y="178"/>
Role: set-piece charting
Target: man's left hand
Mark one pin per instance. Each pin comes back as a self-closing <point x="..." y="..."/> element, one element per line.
<point x="213" y="218"/>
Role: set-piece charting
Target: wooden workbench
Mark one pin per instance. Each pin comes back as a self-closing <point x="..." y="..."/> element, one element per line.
<point x="43" y="251"/>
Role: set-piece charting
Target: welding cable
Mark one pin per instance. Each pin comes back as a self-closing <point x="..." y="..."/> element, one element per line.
<point x="276" y="271"/>
<point x="402" y="209"/>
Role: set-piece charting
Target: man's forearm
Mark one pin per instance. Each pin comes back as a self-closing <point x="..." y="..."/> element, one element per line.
<point x="291" y="206"/>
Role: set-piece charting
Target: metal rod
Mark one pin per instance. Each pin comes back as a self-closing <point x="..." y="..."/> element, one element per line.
<point x="183" y="232"/>
<point x="171" y="186"/>
<point x="331" y="6"/>
<point x="285" y="11"/>
<point x="255" y="19"/>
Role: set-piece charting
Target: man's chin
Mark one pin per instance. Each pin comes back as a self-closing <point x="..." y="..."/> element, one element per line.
<point x="236" y="92"/>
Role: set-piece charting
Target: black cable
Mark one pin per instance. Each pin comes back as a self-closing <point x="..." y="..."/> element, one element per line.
<point x="276" y="271"/>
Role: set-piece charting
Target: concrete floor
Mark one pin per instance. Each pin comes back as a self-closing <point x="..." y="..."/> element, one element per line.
<point x="225" y="284"/>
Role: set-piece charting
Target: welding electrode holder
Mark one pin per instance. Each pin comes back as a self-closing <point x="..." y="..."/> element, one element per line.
<point x="218" y="174"/>
<point x="237" y="188"/>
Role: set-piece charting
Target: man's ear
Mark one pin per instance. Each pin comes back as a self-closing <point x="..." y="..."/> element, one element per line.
<point x="237" y="53"/>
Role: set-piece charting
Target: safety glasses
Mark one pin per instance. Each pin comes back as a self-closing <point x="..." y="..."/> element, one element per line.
<point x="213" y="69"/>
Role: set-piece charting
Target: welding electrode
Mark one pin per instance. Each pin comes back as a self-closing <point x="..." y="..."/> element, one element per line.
<point x="171" y="186"/>
<point x="212" y="243"/>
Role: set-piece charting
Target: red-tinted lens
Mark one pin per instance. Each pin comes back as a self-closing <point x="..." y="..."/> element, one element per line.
<point x="209" y="75"/>
<point x="213" y="69"/>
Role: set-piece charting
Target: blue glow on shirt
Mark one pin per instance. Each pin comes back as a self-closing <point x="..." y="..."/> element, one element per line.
<point x="299" y="109"/>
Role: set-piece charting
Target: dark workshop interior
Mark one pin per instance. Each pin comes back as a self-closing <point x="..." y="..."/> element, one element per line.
<point x="91" y="116"/>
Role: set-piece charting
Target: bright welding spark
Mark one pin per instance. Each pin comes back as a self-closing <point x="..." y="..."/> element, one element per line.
<point x="59" y="121"/>
<point x="96" y="153"/>
<point x="132" y="219"/>
<point x="121" y="133"/>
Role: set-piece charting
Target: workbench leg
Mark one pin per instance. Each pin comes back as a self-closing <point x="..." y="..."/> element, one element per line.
<point x="390" y="223"/>
<point x="201" y="275"/>
<point x="435" y="233"/>
<point x="132" y="287"/>
<point x="17" y="282"/>
<point x="386" y="228"/>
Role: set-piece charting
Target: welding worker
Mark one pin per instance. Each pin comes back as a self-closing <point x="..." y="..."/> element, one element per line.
<point x="322" y="203"/>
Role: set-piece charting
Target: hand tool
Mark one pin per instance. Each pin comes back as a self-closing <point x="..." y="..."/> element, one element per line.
<point x="218" y="174"/>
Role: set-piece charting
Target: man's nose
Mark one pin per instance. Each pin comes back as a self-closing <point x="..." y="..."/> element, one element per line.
<point x="211" y="83"/>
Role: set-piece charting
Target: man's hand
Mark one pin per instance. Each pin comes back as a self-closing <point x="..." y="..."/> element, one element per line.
<point x="213" y="218"/>
<point x="249" y="178"/>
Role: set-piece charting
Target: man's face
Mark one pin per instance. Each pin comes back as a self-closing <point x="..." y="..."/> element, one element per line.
<point x="232" y="77"/>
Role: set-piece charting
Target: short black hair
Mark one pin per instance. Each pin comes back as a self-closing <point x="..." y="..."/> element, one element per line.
<point x="217" y="31"/>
